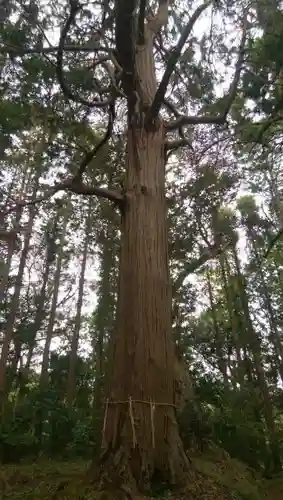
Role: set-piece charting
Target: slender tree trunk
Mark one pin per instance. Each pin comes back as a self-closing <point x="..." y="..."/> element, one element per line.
<point x="105" y="311"/>
<point x="50" y="236"/>
<point x="38" y="320"/>
<point x="274" y="334"/>
<point x="9" y="333"/>
<point x="39" y="315"/>
<point x="71" y="384"/>
<point x="104" y="318"/>
<point x="45" y="359"/>
<point x="232" y="318"/>
<point x="255" y="346"/>
<point x="5" y="268"/>
<point x="43" y="379"/>
<point x="218" y="337"/>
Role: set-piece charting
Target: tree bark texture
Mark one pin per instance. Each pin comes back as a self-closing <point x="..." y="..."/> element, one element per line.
<point x="140" y="435"/>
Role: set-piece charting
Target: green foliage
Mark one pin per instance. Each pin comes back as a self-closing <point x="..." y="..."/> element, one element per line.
<point x="214" y="475"/>
<point x="229" y="304"/>
<point x="65" y="431"/>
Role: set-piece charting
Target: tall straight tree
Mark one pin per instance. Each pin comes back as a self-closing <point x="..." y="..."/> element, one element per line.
<point x="71" y="384"/>
<point x="140" y="436"/>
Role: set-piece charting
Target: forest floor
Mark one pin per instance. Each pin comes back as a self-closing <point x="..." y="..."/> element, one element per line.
<point x="215" y="476"/>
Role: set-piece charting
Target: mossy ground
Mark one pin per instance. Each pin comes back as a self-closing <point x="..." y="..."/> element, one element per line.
<point x="215" y="476"/>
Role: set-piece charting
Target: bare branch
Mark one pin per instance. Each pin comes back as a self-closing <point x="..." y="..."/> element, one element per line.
<point x="59" y="67"/>
<point x="195" y="120"/>
<point x="74" y="186"/>
<point x="177" y="114"/>
<point x="21" y="51"/>
<point x="229" y="99"/>
<point x="34" y="201"/>
<point x="172" y="146"/>
<point x="155" y="23"/>
<point x="210" y="253"/>
<point x="9" y="236"/>
<point x="173" y="59"/>
<point x="171" y="108"/>
<point x="125" y="41"/>
<point x="273" y="243"/>
<point x="214" y="143"/>
<point x="83" y="189"/>
<point x="235" y="82"/>
<point x="91" y="154"/>
<point x="178" y="143"/>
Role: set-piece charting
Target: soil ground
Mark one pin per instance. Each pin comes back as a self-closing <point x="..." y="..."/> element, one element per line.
<point x="215" y="476"/>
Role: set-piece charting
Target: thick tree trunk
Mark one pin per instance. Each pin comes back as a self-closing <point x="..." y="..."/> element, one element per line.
<point x="140" y="432"/>
<point x="141" y="442"/>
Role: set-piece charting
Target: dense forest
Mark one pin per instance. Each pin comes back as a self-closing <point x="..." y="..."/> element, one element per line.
<point x="141" y="249"/>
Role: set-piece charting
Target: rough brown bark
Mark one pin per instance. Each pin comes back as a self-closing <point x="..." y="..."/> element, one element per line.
<point x="141" y="432"/>
<point x="140" y="437"/>
<point x="141" y="442"/>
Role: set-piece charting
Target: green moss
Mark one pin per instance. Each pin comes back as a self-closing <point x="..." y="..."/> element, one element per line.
<point x="214" y="476"/>
<point x="45" y="480"/>
<point x="233" y="476"/>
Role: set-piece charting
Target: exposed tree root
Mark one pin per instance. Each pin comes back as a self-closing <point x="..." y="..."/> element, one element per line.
<point x="130" y="473"/>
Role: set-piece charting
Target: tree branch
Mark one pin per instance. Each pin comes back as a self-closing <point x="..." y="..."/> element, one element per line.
<point x="171" y="108"/>
<point x="221" y="118"/>
<point x="74" y="8"/>
<point x="173" y="59"/>
<point x="74" y="186"/>
<point x="235" y="82"/>
<point x="194" y="120"/>
<point x="91" y="154"/>
<point x="178" y="143"/>
<point x="210" y="253"/>
<point x="172" y="146"/>
<point x="88" y="47"/>
<point x="156" y="22"/>
<point x="125" y="42"/>
<point x="9" y="236"/>
<point x="80" y="188"/>
<point x="273" y="243"/>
